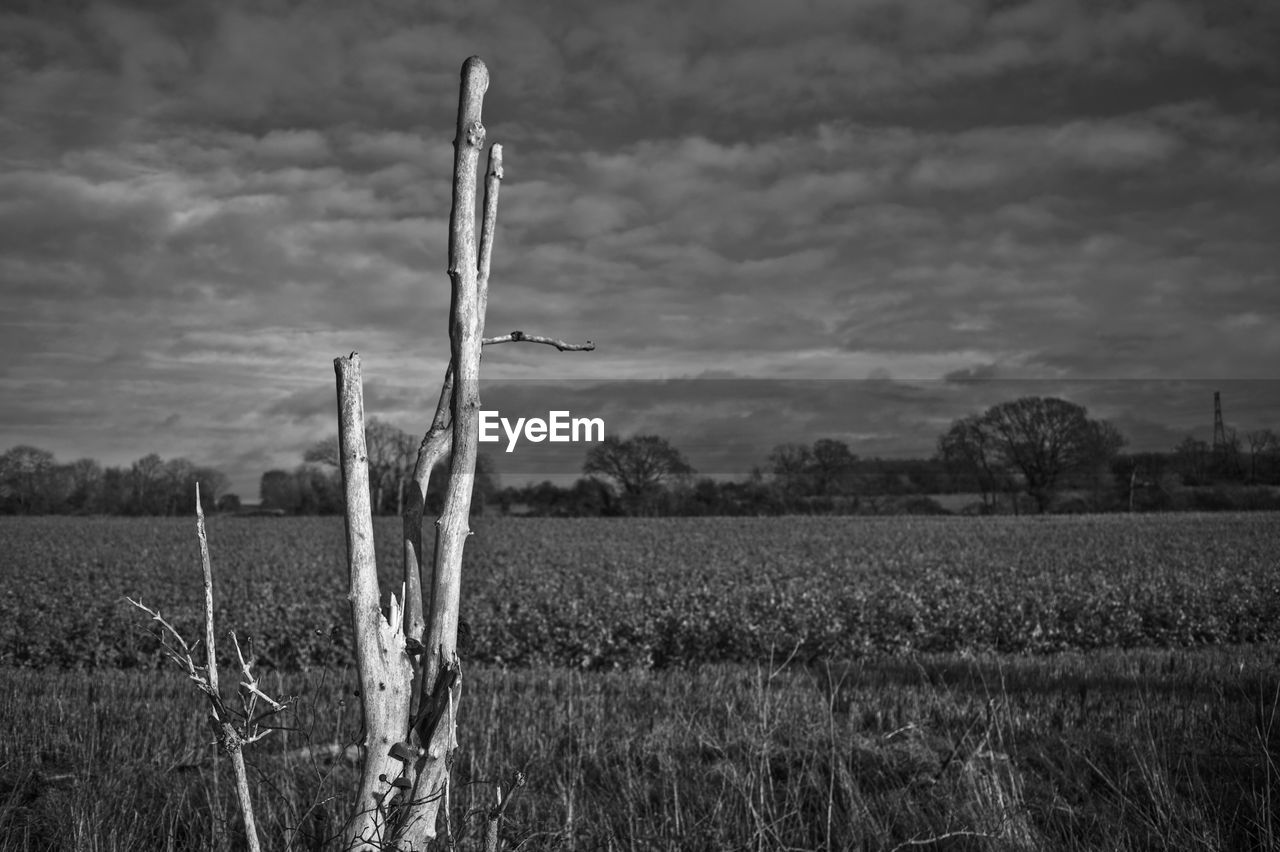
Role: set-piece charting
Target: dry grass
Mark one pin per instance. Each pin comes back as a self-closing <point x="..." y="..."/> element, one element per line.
<point x="1119" y="750"/>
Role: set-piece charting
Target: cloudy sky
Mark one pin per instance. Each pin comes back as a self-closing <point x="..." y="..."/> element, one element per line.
<point x="856" y="219"/>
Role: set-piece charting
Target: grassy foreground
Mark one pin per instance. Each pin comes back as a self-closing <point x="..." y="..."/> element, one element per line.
<point x="1142" y="749"/>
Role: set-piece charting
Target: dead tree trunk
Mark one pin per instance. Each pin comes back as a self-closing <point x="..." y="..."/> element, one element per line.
<point x="440" y="683"/>
<point x="410" y="673"/>
<point x="384" y="667"/>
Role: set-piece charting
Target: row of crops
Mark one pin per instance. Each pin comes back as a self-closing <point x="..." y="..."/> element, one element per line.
<point x="604" y="593"/>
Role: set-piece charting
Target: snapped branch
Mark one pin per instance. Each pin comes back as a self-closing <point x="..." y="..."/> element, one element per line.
<point x="521" y="337"/>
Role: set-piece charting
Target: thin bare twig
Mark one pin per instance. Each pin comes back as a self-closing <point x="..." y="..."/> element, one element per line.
<point x="488" y="225"/>
<point x="250" y="683"/>
<point x="184" y="659"/>
<point x="521" y="337"/>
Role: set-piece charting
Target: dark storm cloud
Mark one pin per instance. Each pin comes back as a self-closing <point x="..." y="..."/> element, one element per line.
<point x="304" y="405"/>
<point x="977" y="372"/>
<point x="726" y="427"/>
<point x="202" y="204"/>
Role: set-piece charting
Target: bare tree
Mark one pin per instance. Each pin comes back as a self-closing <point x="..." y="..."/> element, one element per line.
<point x="409" y="669"/>
<point x="1193" y="458"/>
<point x="25" y="474"/>
<point x="789" y="464"/>
<point x="1040" y="439"/>
<point x="146" y="481"/>
<point x="1101" y="445"/>
<point x="967" y="450"/>
<point x="1226" y="458"/>
<point x="408" y="665"/>
<point x="278" y="489"/>
<point x="391" y="451"/>
<point x="177" y="480"/>
<point x="324" y="452"/>
<point x="405" y="453"/>
<point x="86" y="483"/>
<point x="319" y="489"/>
<point x="638" y="465"/>
<point x="831" y="463"/>
<point x="1262" y="442"/>
<point x="823" y="469"/>
<point x="383" y="442"/>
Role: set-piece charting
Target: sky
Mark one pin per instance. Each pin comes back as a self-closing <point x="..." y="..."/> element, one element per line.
<point x="778" y="222"/>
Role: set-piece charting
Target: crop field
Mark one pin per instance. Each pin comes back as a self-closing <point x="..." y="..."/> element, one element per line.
<point x="611" y="593"/>
<point x="781" y="683"/>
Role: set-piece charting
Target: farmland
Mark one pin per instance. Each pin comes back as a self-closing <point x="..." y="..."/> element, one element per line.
<point x="1060" y="683"/>
<point x="611" y="593"/>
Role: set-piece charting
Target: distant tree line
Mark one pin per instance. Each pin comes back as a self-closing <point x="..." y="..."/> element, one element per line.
<point x="1033" y="454"/>
<point x="33" y="482"/>
<point x="314" y="487"/>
